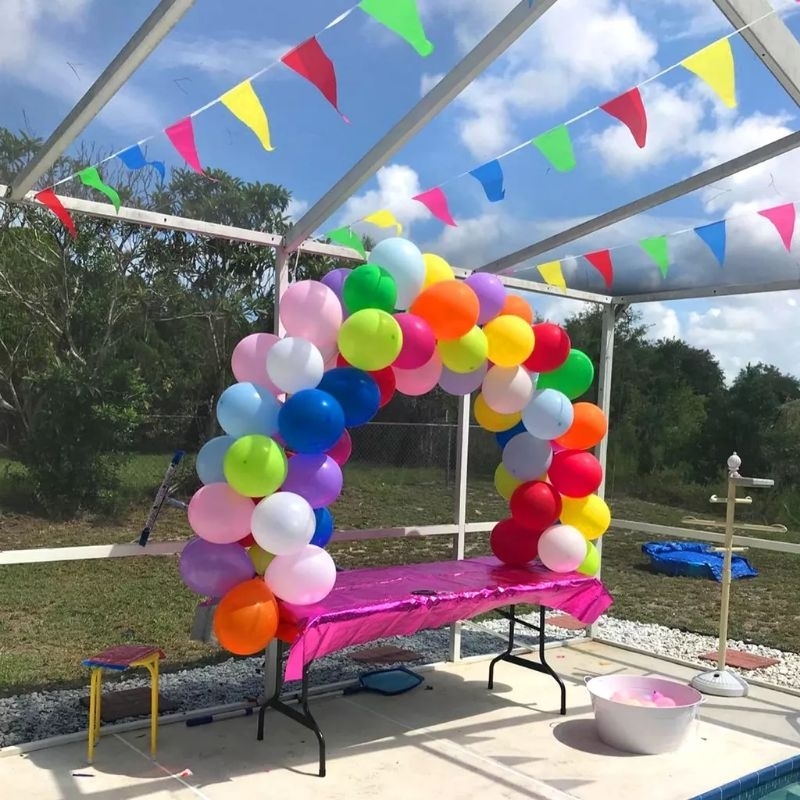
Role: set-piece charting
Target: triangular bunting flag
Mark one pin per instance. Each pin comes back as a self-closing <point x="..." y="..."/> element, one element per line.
<point x="401" y="17"/>
<point x="48" y="198"/>
<point x="490" y="176"/>
<point x="347" y="238"/>
<point x="628" y="108"/>
<point x="243" y="102"/>
<point x="601" y="261"/>
<point x="556" y="146"/>
<point x="714" y="65"/>
<point x="657" y="248"/>
<point x="714" y="235"/>
<point x="384" y="219"/>
<point x="553" y="274"/>
<point x="310" y="61"/>
<point x="134" y="158"/>
<point x="783" y="218"/>
<point x="91" y="177"/>
<point x="435" y="200"/>
<point x="181" y="134"/>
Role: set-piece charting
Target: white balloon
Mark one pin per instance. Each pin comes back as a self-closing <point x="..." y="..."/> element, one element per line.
<point x="507" y="390"/>
<point x="283" y="523"/>
<point x="562" y="548"/>
<point x="294" y="364"/>
<point x="302" y="578"/>
<point x="403" y="260"/>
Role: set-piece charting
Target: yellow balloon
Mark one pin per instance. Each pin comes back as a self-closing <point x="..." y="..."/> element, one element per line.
<point x="261" y="558"/>
<point x="436" y="270"/>
<point x="465" y="354"/>
<point x="590" y="515"/>
<point x="505" y="482"/>
<point x="510" y="340"/>
<point x="490" y="420"/>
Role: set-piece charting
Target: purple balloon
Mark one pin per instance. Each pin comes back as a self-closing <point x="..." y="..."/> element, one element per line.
<point x="461" y="383"/>
<point x="316" y="478"/>
<point x="335" y="280"/>
<point x="212" y="570"/>
<point x="491" y="294"/>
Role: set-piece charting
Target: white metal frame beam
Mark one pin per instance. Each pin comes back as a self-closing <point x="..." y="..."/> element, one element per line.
<point x="162" y="20"/>
<point x="709" y="292"/>
<point x="493" y="45"/>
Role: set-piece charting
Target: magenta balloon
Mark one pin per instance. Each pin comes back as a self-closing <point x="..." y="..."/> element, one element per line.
<point x="491" y="294"/>
<point x="342" y="450"/>
<point x="316" y="478"/>
<point x="419" y="342"/>
<point x="335" y="280"/>
<point x="212" y="570"/>
<point x="461" y="383"/>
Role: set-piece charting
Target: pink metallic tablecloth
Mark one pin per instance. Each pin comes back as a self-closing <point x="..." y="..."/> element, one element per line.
<point x="370" y="604"/>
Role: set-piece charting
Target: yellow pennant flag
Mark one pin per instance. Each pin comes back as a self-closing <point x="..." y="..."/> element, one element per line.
<point x="384" y="219"/>
<point x="714" y="65"/>
<point x="552" y="274"/>
<point x="243" y="103"/>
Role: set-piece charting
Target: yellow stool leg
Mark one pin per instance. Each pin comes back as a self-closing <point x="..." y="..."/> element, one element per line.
<point x="95" y="694"/>
<point x="153" y="669"/>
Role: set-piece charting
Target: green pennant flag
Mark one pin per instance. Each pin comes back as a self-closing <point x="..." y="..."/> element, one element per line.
<point x="657" y="248"/>
<point x="347" y="238"/>
<point x="556" y="146"/>
<point x="400" y="17"/>
<point x="91" y="177"/>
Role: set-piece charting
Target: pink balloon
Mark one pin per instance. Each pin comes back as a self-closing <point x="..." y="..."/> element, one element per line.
<point x="419" y="342"/>
<point x="342" y="450"/>
<point x="311" y="310"/>
<point x="220" y="515"/>
<point x="416" y="382"/>
<point x="249" y="360"/>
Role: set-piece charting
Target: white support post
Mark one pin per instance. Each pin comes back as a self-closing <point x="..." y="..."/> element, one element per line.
<point x="281" y="285"/>
<point x="462" y="488"/>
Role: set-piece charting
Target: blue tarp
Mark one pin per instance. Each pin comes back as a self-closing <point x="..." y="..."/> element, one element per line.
<point x="694" y="560"/>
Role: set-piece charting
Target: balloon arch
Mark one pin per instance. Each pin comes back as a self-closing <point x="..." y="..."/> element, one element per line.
<point x="399" y="323"/>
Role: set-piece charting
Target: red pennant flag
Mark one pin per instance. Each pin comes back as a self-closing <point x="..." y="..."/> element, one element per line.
<point x="601" y="261"/>
<point x="181" y="134"/>
<point x="435" y="201"/>
<point x="628" y="108"/>
<point x="311" y="62"/>
<point x="47" y="197"/>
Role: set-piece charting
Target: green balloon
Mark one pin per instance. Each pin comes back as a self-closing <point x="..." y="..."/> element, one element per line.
<point x="572" y="378"/>
<point x="255" y="466"/>
<point x="591" y="564"/>
<point x="370" y="339"/>
<point x="369" y="286"/>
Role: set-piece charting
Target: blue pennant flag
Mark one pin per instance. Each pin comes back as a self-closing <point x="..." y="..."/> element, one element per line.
<point x="134" y="158"/>
<point x="490" y="176"/>
<point x="713" y="235"/>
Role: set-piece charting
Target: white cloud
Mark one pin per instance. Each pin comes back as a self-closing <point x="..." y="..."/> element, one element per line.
<point x="296" y="208"/>
<point x="233" y="58"/>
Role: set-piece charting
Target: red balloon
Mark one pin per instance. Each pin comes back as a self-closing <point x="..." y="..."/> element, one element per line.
<point x="575" y="473"/>
<point x="551" y="348"/>
<point x="387" y="383"/>
<point x="512" y="544"/>
<point x="535" y="506"/>
<point x="248" y="541"/>
<point x="342" y="450"/>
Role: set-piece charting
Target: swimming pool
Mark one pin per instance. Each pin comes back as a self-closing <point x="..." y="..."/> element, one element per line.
<point x="778" y="782"/>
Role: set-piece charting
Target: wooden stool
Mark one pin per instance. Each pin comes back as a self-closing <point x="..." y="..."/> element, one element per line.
<point x="119" y="659"/>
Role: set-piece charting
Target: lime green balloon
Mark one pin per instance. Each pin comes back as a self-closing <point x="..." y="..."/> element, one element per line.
<point x="370" y="339"/>
<point x="466" y="354"/>
<point x="369" y="286"/>
<point x="572" y="378"/>
<point x="591" y="564"/>
<point x="255" y="466"/>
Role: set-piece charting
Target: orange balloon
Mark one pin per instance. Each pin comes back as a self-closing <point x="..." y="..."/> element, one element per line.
<point x="589" y="426"/>
<point x="246" y="619"/>
<point x="517" y="307"/>
<point x="451" y="308"/>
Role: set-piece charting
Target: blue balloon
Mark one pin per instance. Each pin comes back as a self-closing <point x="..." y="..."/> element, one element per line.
<point x="526" y="457"/>
<point x="357" y="392"/>
<point x="404" y="262"/>
<point x="245" y="408"/>
<point x="311" y="421"/>
<point x="209" y="460"/>
<point x="504" y="437"/>
<point x="324" y="530"/>
<point x="548" y="415"/>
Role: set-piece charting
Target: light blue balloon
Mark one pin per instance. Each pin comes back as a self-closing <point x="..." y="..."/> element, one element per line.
<point x="403" y="261"/>
<point x="210" y="458"/>
<point x="548" y="415"/>
<point x="526" y="457"/>
<point x="245" y="408"/>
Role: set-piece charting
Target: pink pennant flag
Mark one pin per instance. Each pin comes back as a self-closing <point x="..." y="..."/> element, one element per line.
<point x="435" y="201"/>
<point x="181" y="134"/>
<point x="782" y="217"/>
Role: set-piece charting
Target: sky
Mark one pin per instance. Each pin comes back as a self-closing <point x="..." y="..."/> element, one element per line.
<point x="581" y="53"/>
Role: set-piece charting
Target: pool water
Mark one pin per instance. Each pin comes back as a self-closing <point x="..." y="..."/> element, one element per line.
<point x="778" y="782"/>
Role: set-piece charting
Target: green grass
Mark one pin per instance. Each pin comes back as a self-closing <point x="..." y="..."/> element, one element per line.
<point x="54" y="615"/>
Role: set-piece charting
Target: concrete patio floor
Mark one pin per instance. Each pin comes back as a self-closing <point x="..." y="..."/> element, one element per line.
<point x="450" y="738"/>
